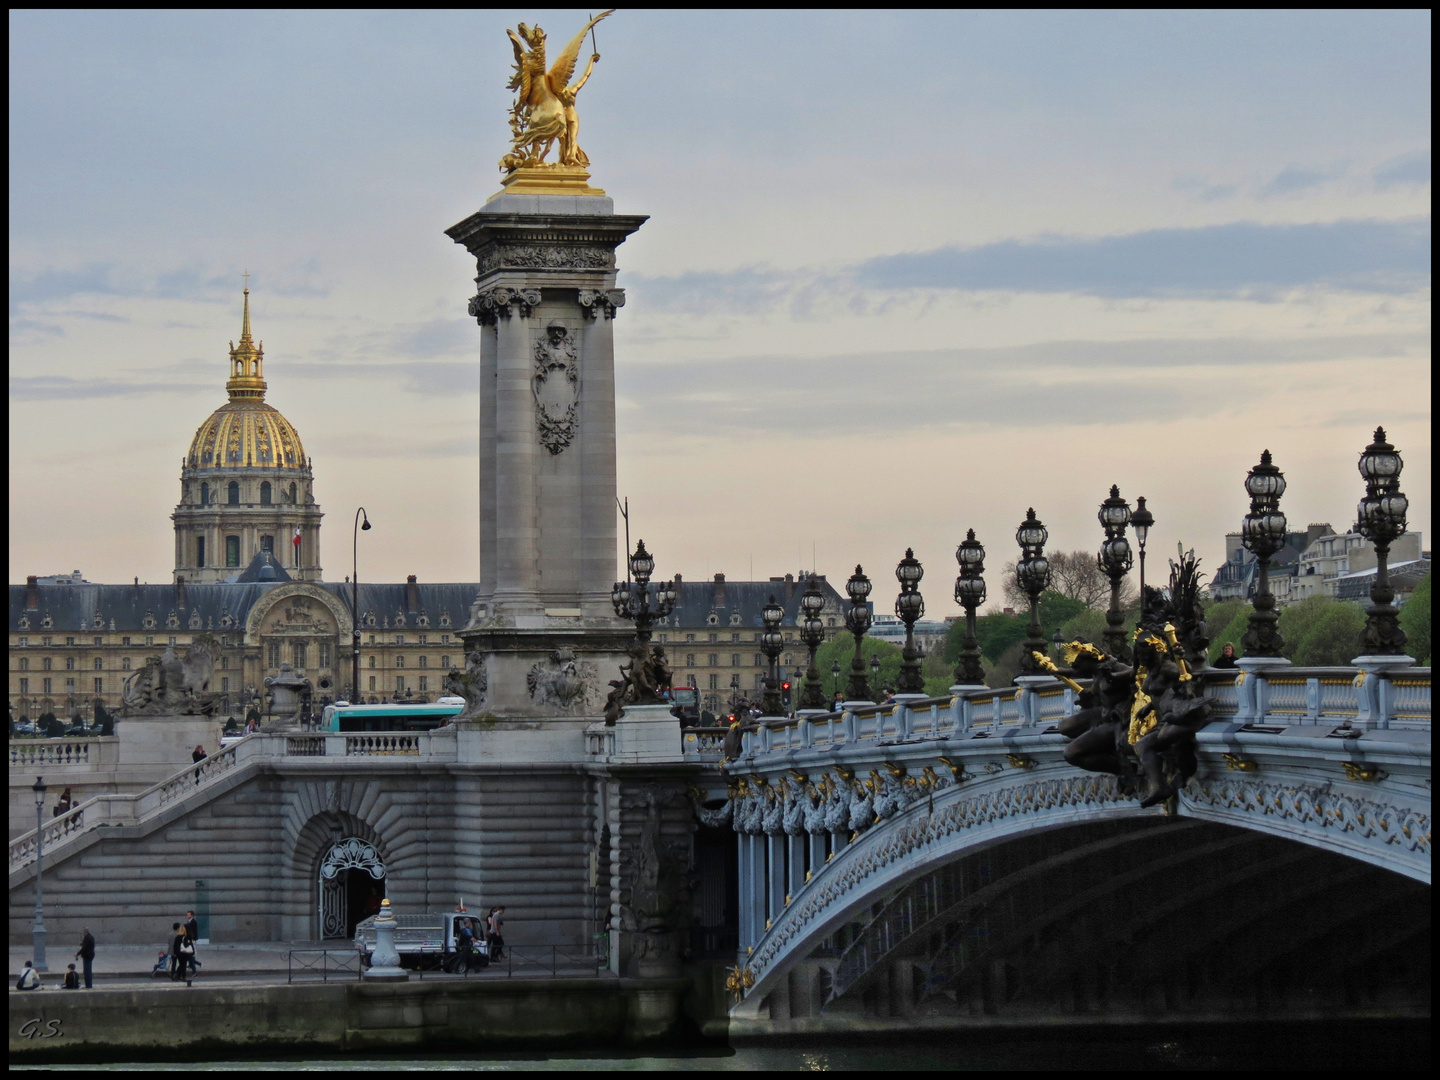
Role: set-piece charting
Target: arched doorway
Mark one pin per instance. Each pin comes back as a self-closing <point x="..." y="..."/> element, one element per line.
<point x="351" y="884"/>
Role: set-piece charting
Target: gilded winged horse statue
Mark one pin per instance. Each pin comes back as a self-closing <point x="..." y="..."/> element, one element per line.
<point x="544" y="108"/>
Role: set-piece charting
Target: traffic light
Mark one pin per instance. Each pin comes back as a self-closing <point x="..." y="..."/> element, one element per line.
<point x="785" y="693"/>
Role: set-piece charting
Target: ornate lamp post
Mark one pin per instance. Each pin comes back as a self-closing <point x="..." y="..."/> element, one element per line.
<point x="38" y="933"/>
<point x="970" y="594"/>
<point x="632" y="601"/>
<point x="835" y="678"/>
<point x="857" y="621"/>
<point x="1032" y="573"/>
<point x="1263" y="534"/>
<point x="1142" y="520"/>
<point x="771" y="642"/>
<point x="812" y="633"/>
<point x="909" y="607"/>
<point x="1115" y="561"/>
<point x="1381" y="520"/>
<point x="360" y="515"/>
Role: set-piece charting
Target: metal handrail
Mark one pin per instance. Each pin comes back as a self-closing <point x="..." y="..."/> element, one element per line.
<point x="350" y="955"/>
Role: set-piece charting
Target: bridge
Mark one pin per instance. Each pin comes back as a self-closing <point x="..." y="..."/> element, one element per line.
<point x="948" y="833"/>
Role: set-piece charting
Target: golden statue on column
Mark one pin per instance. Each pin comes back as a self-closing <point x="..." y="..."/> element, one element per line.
<point x="543" y="116"/>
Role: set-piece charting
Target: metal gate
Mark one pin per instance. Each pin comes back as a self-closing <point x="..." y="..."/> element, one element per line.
<point x="349" y="855"/>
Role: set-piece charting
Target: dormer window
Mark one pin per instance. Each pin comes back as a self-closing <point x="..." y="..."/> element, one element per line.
<point x="148" y="621"/>
<point x="445" y="617"/>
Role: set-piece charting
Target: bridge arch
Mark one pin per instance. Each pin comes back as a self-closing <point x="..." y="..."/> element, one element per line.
<point x="969" y="817"/>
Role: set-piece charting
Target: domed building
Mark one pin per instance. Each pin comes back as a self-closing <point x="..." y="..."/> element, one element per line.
<point x="246" y="486"/>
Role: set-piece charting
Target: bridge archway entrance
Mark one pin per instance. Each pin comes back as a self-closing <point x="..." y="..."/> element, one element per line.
<point x="350" y="886"/>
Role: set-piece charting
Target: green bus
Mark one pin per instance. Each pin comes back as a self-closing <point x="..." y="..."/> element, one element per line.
<point x="342" y="717"/>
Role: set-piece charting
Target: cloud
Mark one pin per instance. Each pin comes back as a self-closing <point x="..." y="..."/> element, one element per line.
<point x="1064" y="383"/>
<point x="1293" y="178"/>
<point x="1403" y="170"/>
<point x="1243" y="260"/>
<point x="64" y="388"/>
<point x="48" y="287"/>
<point x="1203" y="189"/>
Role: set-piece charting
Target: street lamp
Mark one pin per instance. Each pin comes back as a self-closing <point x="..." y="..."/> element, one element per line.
<point x="1381" y="520"/>
<point x="909" y="607"/>
<point x="1032" y="574"/>
<point x="1142" y="520"/>
<point x="362" y="524"/>
<point x="771" y="642"/>
<point x="38" y="933"/>
<point x="835" y="678"/>
<point x="812" y="633"/>
<point x="1115" y="561"/>
<point x="970" y="594"/>
<point x="875" y="674"/>
<point x="633" y="601"/>
<point x="857" y="621"/>
<point x="1263" y="534"/>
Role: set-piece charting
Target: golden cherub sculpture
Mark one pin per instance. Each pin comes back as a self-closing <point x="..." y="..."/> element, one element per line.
<point x="544" y="109"/>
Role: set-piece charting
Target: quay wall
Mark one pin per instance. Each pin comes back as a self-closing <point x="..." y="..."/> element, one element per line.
<point x="150" y="1023"/>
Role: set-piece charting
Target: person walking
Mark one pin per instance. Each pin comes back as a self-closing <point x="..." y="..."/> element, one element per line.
<point x="1226" y="659"/>
<point x="86" y="955"/>
<point x="494" y="940"/>
<point x="180" y="952"/>
<point x="198" y="756"/>
<point x="192" y="931"/>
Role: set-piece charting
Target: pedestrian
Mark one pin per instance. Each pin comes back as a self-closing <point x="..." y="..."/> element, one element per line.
<point x="889" y="696"/>
<point x="494" y="940"/>
<point x="180" y="952"/>
<point x="1226" y="659"/>
<point x="192" y="931"/>
<point x="839" y="703"/>
<point x="86" y="955"/>
<point x="29" y="978"/>
<point x="464" y="943"/>
<point x="198" y="756"/>
<point x="65" y="804"/>
<point x="72" y="980"/>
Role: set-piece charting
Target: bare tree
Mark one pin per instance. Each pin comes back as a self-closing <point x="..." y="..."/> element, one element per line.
<point x="1074" y="574"/>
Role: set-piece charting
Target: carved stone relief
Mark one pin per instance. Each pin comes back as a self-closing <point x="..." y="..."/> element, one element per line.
<point x="556" y="385"/>
<point x="489" y="305"/>
<point x="561" y="681"/>
<point x="544" y="257"/>
<point x="598" y="304"/>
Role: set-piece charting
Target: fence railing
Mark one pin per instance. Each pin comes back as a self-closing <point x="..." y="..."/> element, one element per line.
<point x="1378" y="697"/>
<point x="59" y="753"/>
<point x="303" y="963"/>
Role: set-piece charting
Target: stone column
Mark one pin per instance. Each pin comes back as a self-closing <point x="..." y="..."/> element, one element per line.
<point x="775" y="879"/>
<point x="817" y="851"/>
<point x="795" y="864"/>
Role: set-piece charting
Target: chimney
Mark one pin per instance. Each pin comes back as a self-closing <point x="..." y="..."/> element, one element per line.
<point x="32" y="593"/>
<point x="412" y="594"/>
<point x="789" y="587"/>
<point x="180" y="601"/>
<point x="719" y="601"/>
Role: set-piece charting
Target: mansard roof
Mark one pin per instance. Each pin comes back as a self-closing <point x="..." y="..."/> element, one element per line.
<point x="72" y="609"/>
<point x="726" y="600"/>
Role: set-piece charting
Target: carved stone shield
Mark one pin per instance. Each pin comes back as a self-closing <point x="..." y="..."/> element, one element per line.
<point x="556" y="385"/>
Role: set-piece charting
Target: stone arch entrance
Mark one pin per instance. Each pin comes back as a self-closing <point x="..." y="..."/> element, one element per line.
<point x="350" y="882"/>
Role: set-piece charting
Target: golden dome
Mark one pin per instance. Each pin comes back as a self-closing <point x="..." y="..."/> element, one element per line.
<point x="246" y="433"/>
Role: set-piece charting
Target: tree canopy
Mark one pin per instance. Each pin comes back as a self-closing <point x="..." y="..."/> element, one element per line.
<point x="1415" y="621"/>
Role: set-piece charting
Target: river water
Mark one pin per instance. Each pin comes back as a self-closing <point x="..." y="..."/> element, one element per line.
<point x="1333" y="1045"/>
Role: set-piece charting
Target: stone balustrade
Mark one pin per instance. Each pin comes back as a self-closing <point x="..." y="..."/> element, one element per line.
<point x="1398" y="698"/>
<point x="49" y="754"/>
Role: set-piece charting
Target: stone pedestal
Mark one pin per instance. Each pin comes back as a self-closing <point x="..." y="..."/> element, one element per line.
<point x="545" y="301"/>
<point x="647" y="733"/>
<point x="385" y="959"/>
<point x="1250" y="697"/>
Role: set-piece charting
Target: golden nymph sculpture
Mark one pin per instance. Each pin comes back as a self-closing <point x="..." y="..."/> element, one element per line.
<point x="544" y="109"/>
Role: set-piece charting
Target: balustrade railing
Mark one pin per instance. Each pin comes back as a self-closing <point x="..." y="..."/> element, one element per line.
<point x="386" y="744"/>
<point x="1282" y="695"/>
<point x="52" y="753"/>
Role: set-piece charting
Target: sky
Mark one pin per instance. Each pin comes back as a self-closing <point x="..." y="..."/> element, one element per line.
<point x="905" y="273"/>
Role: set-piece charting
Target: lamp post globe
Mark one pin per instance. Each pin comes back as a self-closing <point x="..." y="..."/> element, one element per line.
<point x="857" y="621"/>
<point x="37" y="933"/>
<point x="909" y="607"/>
<point x="362" y="524"/>
<point x="1142" y="521"/>
<point x="1032" y="574"/>
<point x="1115" y="561"/>
<point x="1381" y="519"/>
<point x="1263" y="534"/>
<point x="970" y="594"/>
<point x="771" y="642"/>
<point x="812" y="633"/>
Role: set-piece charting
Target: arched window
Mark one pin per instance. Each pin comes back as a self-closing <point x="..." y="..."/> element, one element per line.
<point x="200" y="551"/>
<point x="204" y="494"/>
<point x="292" y="492"/>
<point x="234" y="495"/>
<point x="265" y="493"/>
